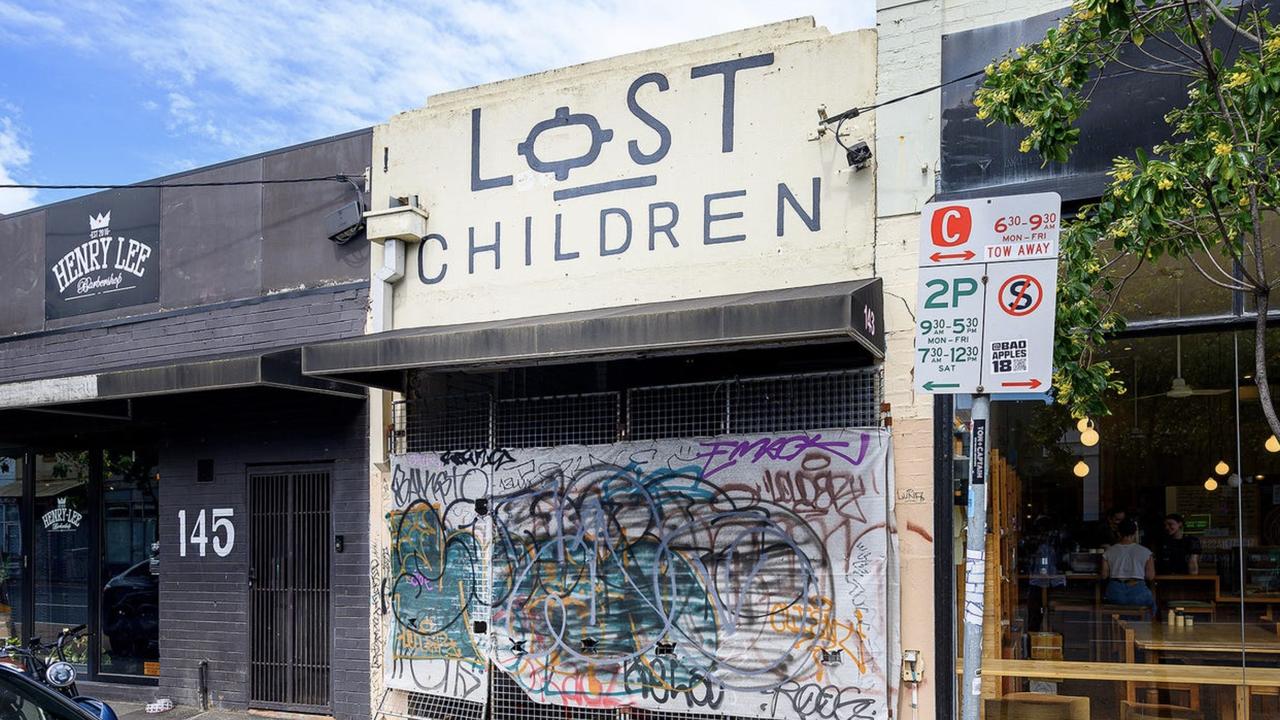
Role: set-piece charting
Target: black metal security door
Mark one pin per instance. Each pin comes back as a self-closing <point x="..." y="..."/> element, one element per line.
<point x="290" y="626"/>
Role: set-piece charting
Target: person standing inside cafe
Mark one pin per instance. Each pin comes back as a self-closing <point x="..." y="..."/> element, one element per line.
<point x="1179" y="554"/>
<point x="1128" y="567"/>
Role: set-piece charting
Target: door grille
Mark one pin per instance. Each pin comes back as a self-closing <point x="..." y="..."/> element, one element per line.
<point x="290" y="596"/>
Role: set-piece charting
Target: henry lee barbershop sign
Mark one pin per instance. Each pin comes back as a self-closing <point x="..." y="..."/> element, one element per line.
<point x="102" y="252"/>
<point x="674" y="173"/>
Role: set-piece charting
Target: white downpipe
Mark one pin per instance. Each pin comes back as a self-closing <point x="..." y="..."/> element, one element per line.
<point x="382" y="301"/>
<point x="383" y="290"/>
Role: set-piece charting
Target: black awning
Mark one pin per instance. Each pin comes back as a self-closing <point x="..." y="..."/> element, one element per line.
<point x="90" y="392"/>
<point x="847" y="311"/>
<point x="278" y="369"/>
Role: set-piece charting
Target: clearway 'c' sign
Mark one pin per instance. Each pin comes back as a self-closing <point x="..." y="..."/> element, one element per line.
<point x="988" y="281"/>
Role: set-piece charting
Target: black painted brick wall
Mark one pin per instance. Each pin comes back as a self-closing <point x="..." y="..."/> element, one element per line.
<point x="204" y="601"/>
<point x="286" y="320"/>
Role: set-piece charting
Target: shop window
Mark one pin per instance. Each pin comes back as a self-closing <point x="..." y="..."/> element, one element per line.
<point x="1134" y="560"/>
<point x="62" y="531"/>
<point x="130" y="617"/>
<point x="12" y="603"/>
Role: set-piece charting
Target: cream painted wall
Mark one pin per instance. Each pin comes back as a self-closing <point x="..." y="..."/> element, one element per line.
<point x="869" y="220"/>
<point x="728" y="194"/>
<point x="909" y="58"/>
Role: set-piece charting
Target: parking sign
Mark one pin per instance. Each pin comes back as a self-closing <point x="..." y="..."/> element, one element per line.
<point x="988" y="281"/>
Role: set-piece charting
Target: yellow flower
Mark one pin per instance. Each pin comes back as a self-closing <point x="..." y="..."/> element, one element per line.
<point x="1244" y="201"/>
<point x="1025" y="145"/>
<point x="1198" y="202"/>
<point x="1005" y="65"/>
<point x="1273" y="43"/>
<point x="978" y="100"/>
<point x="1164" y="183"/>
<point x="1236" y="80"/>
<point x="1124" y="175"/>
<point x="990" y="69"/>
<point x="1033" y="65"/>
<point x="1222" y="149"/>
<point x="1022" y="50"/>
<point x="1067" y="81"/>
<point x="984" y="113"/>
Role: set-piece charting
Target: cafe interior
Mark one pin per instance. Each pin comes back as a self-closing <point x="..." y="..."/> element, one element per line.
<point x="1183" y="471"/>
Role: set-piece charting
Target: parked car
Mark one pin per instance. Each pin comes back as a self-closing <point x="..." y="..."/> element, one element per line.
<point x="131" y="612"/>
<point x="23" y="698"/>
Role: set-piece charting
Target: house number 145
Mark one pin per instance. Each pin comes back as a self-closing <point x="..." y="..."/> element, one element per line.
<point x="220" y="530"/>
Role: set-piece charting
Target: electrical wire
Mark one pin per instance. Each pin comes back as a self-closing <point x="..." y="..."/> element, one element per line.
<point x="342" y="178"/>
<point x="855" y="112"/>
<point x="838" y="119"/>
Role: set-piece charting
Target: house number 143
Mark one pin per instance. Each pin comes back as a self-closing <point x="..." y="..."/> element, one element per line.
<point x="220" y="530"/>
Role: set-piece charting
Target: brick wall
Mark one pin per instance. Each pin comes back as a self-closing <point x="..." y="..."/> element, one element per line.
<point x="204" y="611"/>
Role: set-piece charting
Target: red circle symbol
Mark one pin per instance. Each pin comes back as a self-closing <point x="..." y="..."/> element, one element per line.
<point x="1020" y="295"/>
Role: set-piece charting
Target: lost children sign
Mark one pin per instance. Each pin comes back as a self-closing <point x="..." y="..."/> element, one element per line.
<point x="638" y="179"/>
<point x="102" y="252"/>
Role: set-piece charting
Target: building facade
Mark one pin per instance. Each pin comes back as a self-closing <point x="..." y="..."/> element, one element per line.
<point x="171" y="480"/>
<point x="1182" y="470"/>
<point x="630" y="449"/>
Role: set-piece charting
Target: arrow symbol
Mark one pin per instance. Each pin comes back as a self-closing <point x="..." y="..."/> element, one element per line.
<point x="1032" y="383"/>
<point x="939" y="257"/>
<point x="931" y="385"/>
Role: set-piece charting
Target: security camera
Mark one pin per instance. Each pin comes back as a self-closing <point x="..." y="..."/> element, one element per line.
<point x="344" y="223"/>
<point x="858" y="155"/>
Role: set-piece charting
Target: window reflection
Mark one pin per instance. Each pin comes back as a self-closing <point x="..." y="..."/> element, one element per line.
<point x="1156" y="546"/>
<point x="131" y="587"/>
<point x="11" y="597"/>
<point x="62" y="533"/>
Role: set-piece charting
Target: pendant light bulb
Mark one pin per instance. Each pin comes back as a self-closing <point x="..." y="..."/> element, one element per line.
<point x="1272" y="444"/>
<point x="1084" y="424"/>
<point x="1222" y="468"/>
<point x="1089" y="437"/>
<point x="1081" y="469"/>
<point x="1210" y="484"/>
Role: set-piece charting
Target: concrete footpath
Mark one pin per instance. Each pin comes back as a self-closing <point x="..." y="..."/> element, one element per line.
<point x="137" y="711"/>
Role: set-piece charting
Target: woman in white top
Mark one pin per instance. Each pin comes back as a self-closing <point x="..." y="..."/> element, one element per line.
<point x="1128" y="568"/>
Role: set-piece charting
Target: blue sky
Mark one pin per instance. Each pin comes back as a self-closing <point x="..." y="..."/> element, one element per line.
<point x="102" y="92"/>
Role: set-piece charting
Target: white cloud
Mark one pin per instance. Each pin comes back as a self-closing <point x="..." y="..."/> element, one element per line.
<point x="16" y="21"/>
<point x="14" y="156"/>
<point x="250" y="75"/>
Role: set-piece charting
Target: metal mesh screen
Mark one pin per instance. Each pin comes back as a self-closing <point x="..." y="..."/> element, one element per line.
<point x="451" y="422"/>
<point x="847" y="398"/>
<point x="588" y="419"/>
<point x="436" y="707"/>
<point x="817" y="400"/>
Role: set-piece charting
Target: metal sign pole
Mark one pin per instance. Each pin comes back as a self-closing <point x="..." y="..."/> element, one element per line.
<point x="975" y="560"/>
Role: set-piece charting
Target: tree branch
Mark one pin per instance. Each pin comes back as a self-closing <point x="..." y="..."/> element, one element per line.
<point x="1222" y="18"/>
<point x="1261" y="306"/>
<point x="1183" y="50"/>
<point x="1232" y="286"/>
<point x="1204" y="51"/>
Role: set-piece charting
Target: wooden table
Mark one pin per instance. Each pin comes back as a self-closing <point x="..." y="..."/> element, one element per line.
<point x="1203" y="640"/>
<point x="1243" y="682"/>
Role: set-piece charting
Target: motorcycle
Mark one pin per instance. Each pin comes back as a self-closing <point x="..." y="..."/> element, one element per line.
<point x="47" y="665"/>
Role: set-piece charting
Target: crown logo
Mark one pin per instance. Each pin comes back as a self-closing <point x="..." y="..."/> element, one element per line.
<point x="100" y="222"/>
<point x="62" y="502"/>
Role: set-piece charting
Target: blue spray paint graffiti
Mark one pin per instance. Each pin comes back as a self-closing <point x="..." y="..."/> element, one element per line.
<point x="742" y="574"/>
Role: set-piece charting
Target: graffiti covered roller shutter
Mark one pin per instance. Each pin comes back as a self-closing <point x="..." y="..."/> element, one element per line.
<point x="740" y="575"/>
